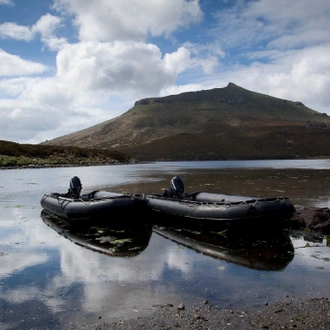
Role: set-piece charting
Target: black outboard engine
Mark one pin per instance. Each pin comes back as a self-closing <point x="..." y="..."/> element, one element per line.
<point x="75" y="186"/>
<point x="177" y="186"/>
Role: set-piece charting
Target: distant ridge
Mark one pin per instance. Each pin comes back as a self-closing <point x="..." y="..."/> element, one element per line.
<point x="221" y="123"/>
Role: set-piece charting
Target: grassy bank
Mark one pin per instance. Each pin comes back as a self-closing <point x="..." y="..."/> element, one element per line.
<point x="28" y="155"/>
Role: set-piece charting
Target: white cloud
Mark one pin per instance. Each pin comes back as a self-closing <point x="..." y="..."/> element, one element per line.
<point x="11" y="87"/>
<point x="177" y="62"/>
<point x="47" y="26"/>
<point x="274" y="24"/>
<point x="129" y="20"/>
<point x="14" y="31"/>
<point x="205" y="56"/>
<point x="119" y="67"/>
<point x="12" y="65"/>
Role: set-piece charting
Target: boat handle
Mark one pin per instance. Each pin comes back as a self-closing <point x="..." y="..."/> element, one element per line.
<point x="64" y="203"/>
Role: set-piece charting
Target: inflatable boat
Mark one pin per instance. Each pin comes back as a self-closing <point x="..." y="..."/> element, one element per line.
<point x="271" y="254"/>
<point x="217" y="212"/>
<point x="115" y="208"/>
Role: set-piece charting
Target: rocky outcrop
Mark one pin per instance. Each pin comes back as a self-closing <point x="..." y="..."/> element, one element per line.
<point x="313" y="218"/>
<point x="312" y="125"/>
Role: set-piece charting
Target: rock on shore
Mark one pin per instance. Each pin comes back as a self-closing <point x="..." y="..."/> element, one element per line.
<point x="313" y="218"/>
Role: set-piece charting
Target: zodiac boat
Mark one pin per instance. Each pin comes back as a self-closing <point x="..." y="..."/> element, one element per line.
<point x="97" y="205"/>
<point x="217" y="212"/>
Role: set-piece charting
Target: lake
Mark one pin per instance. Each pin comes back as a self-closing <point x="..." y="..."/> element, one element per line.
<point x="47" y="281"/>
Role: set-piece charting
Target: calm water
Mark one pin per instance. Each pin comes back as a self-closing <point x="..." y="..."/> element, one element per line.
<point x="48" y="281"/>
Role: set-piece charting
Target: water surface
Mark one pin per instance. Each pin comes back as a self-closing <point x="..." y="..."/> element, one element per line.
<point x="48" y="281"/>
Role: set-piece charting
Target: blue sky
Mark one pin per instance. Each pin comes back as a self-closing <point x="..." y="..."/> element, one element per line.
<point x="66" y="65"/>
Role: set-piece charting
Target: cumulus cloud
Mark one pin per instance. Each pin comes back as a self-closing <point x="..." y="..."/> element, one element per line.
<point x="115" y="67"/>
<point x="13" y="65"/>
<point x="45" y="26"/>
<point x="129" y="20"/>
<point x="14" y="31"/>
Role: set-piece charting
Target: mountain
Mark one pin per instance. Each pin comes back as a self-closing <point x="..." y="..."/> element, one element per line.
<point x="221" y="123"/>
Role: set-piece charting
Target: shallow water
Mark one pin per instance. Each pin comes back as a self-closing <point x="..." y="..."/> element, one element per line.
<point x="48" y="281"/>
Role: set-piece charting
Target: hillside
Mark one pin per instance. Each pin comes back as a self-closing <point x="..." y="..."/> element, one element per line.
<point x="222" y="123"/>
<point x="13" y="154"/>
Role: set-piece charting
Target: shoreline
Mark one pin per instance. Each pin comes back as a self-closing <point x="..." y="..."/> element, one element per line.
<point x="134" y="161"/>
<point x="289" y="313"/>
<point x="32" y="166"/>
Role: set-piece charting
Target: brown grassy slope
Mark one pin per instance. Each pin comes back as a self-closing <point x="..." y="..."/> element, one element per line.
<point x="222" y="123"/>
<point x="271" y="144"/>
<point x="12" y="153"/>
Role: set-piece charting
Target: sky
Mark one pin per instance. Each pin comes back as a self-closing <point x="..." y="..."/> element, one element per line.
<point x="66" y="65"/>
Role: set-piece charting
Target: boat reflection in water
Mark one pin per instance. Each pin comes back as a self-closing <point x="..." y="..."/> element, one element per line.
<point x="115" y="242"/>
<point x="262" y="253"/>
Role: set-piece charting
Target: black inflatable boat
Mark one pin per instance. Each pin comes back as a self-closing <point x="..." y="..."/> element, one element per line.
<point x="216" y="212"/>
<point x="98" y="205"/>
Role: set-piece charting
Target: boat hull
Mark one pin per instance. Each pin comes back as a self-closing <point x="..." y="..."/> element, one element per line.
<point x="204" y="212"/>
<point x="101" y="206"/>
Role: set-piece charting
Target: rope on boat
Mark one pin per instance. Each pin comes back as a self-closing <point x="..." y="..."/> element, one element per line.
<point x="64" y="203"/>
<point x="106" y="198"/>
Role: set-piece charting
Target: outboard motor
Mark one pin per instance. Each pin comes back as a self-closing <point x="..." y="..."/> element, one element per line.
<point x="75" y="186"/>
<point x="177" y="186"/>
